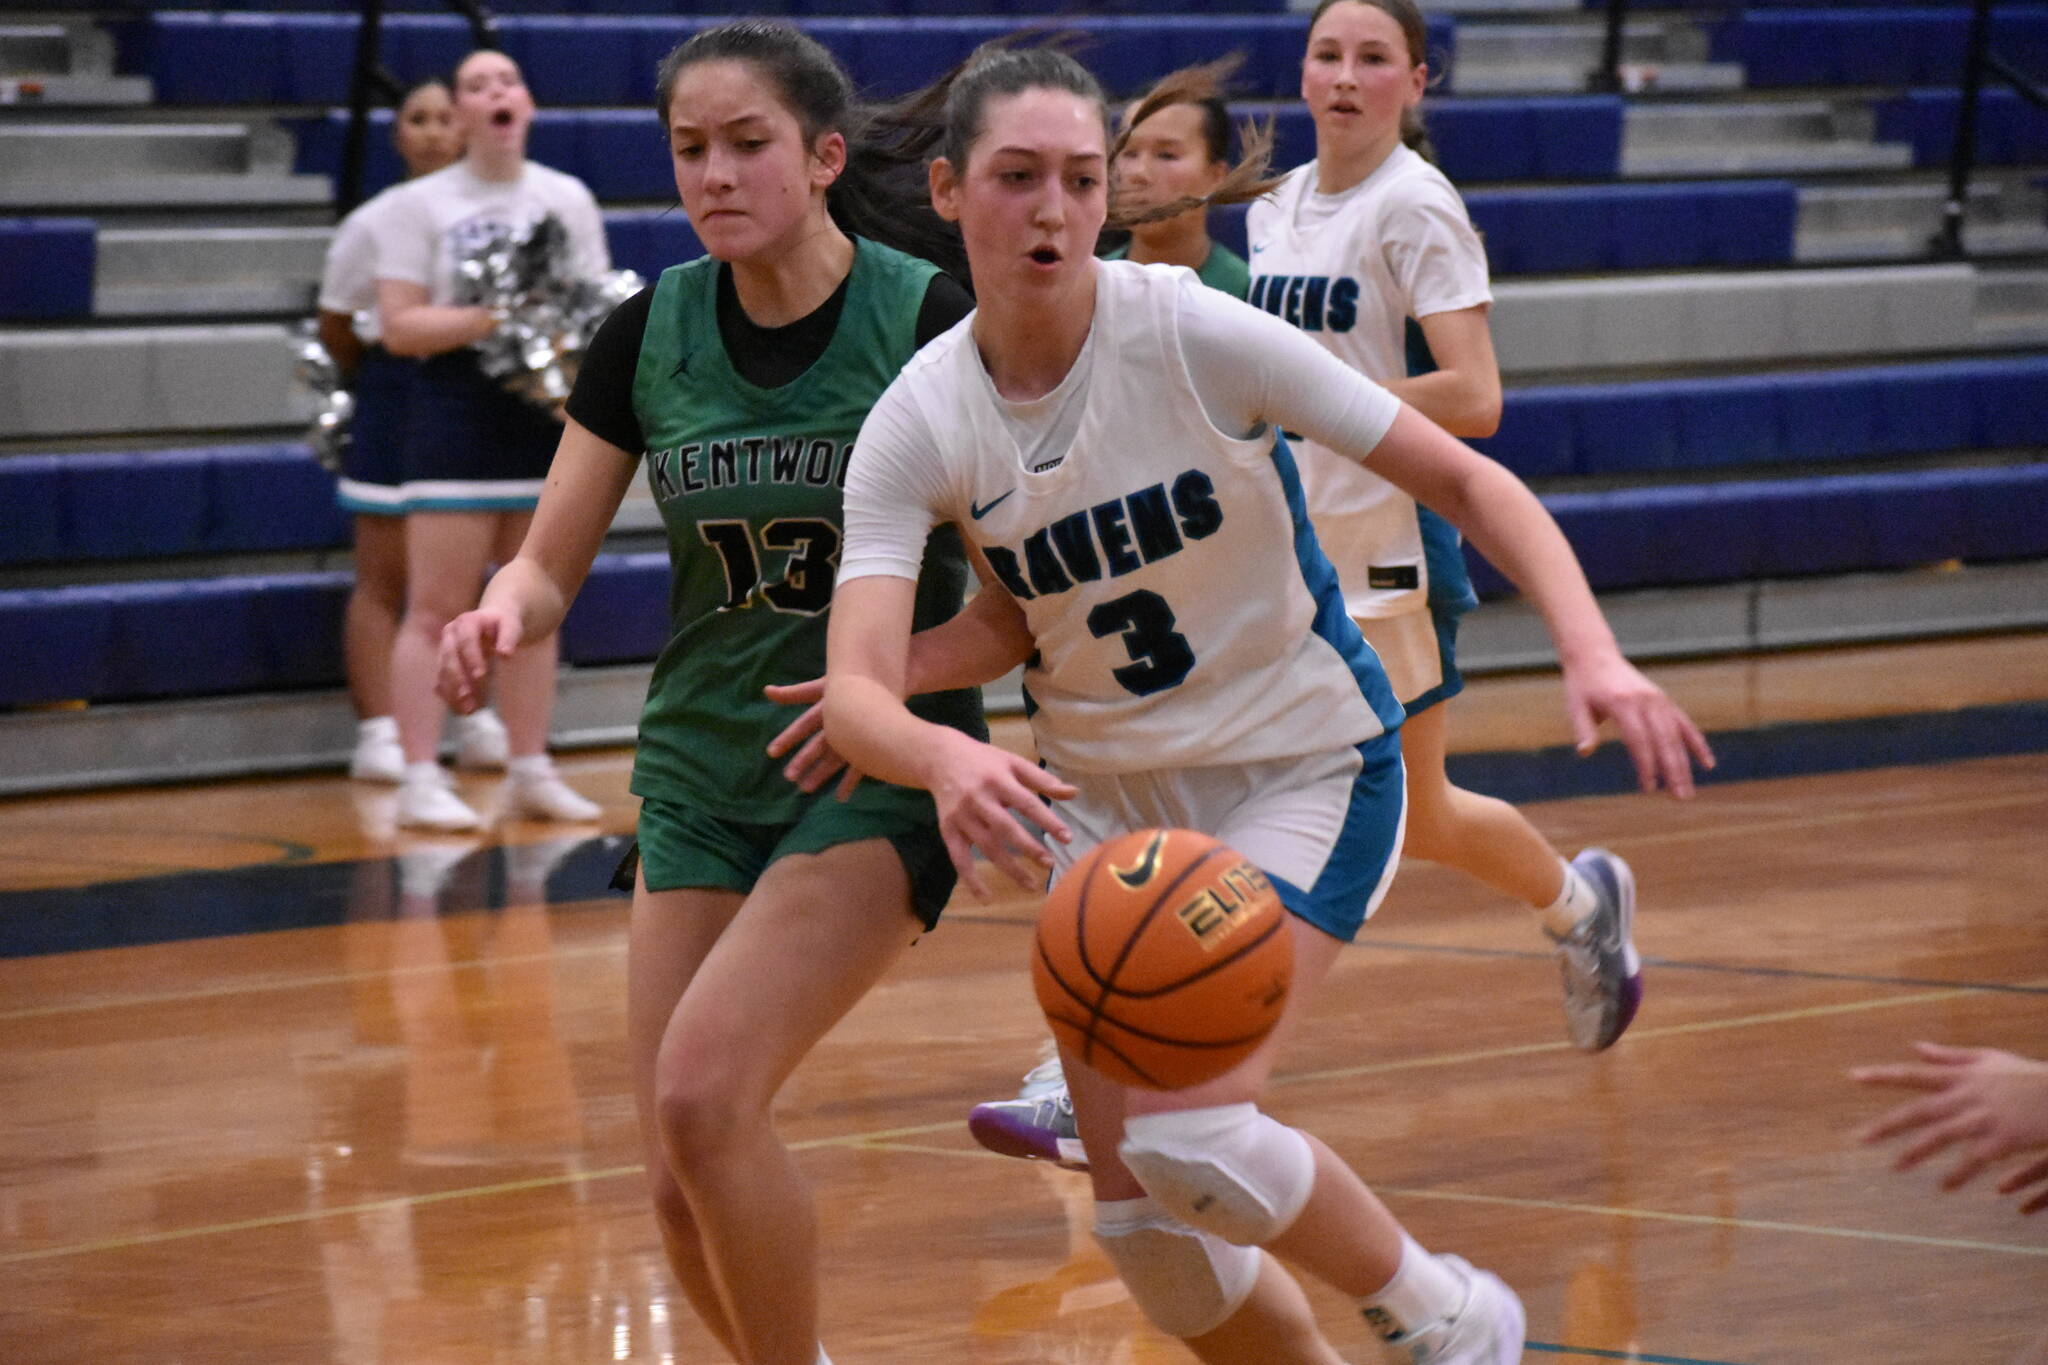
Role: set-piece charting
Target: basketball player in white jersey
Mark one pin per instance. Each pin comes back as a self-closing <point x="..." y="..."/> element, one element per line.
<point x="1351" y="247"/>
<point x="1104" y="435"/>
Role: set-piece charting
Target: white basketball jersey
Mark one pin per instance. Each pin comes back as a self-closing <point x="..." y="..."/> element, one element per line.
<point x="1183" y="611"/>
<point x="1350" y="269"/>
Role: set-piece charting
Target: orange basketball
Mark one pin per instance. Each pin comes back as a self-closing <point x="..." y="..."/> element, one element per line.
<point x="1163" y="959"/>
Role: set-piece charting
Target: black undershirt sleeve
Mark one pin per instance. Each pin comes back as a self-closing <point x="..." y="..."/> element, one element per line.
<point x="602" y="400"/>
<point x="945" y="303"/>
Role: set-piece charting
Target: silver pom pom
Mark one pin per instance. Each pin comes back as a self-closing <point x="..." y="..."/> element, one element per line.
<point x="549" y="315"/>
<point x="334" y="407"/>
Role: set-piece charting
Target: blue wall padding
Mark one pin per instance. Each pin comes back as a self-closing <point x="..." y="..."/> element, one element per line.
<point x="197" y="637"/>
<point x="198" y="57"/>
<point x="1872" y="45"/>
<point x="46" y="267"/>
<point x="1678" y="534"/>
<point x="1636" y="227"/>
<point x="252" y="633"/>
<point x="137" y="504"/>
<point x="2009" y="130"/>
<point x="1795" y="418"/>
<point x="622" y="613"/>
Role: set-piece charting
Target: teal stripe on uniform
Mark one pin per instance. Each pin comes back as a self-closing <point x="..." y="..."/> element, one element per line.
<point x="1333" y="623"/>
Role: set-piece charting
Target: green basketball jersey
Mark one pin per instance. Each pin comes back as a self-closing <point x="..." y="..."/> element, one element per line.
<point x="1221" y="269"/>
<point x="748" y="482"/>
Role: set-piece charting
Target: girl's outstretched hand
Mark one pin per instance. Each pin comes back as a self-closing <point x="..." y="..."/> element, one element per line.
<point x="982" y="792"/>
<point x="815" y="762"/>
<point x="1661" y="738"/>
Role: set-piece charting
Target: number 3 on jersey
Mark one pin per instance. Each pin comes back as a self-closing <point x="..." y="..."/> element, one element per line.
<point x="1160" y="655"/>
<point x="805" y="587"/>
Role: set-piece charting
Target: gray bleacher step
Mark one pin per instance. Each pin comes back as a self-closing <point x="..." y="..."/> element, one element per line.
<point x="2012" y="307"/>
<point x="189" y="739"/>
<point x="220" y="270"/>
<point x="1578" y="44"/>
<point x="1486" y="7"/>
<point x="1771" y="137"/>
<point x="1686" y="78"/>
<point x="1865" y="222"/>
<point x="1548" y="326"/>
<point x="93" y="151"/>
<point x="35" y="50"/>
<point x="224" y="190"/>
<point x="86" y="381"/>
<point x="74" y="92"/>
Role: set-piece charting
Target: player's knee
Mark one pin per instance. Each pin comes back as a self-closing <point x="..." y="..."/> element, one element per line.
<point x="700" y="1116"/>
<point x="671" y="1205"/>
<point x="1228" y="1170"/>
<point x="1187" y="1282"/>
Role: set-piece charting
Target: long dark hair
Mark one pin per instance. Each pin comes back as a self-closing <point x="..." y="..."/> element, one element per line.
<point x="1409" y="16"/>
<point x="1204" y="87"/>
<point x="948" y="116"/>
<point x="881" y="193"/>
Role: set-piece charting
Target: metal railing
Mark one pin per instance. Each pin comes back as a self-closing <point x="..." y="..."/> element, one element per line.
<point x="372" y="81"/>
<point x="1979" y="60"/>
<point x="1606" y="77"/>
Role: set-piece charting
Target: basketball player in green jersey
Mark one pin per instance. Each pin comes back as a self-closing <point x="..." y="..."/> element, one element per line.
<point x="1180" y="151"/>
<point x="760" y="913"/>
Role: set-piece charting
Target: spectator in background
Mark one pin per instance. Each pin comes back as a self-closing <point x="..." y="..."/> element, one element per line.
<point x="1995" y="1101"/>
<point x="424" y="134"/>
<point x="1180" y="151"/>
<point x="475" y="455"/>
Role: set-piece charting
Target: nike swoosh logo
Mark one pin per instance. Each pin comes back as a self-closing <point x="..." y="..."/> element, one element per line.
<point x="1140" y="872"/>
<point x="1258" y="248"/>
<point x="978" y="510"/>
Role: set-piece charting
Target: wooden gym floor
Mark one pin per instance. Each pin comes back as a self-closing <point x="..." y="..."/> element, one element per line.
<point x="276" y="1086"/>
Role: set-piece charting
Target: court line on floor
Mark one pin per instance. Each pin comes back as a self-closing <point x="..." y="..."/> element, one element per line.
<point x="1565" y="1206"/>
<point x="345" y="978"/>
<point x="1598" y="1353"/>
<point x="884" y="1139"/>
<point x="1398" y="945"/>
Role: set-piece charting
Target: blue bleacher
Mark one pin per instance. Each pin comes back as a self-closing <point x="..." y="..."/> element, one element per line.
<point x="1871" y="45"/>
<point x="240" y="499"/>
<point x="1688" y="534"/>
<point x="622" y="155"/>
<point x="197" y="57"/>
<point x="119" y="641"/>
<point x="2009" y="130"/>
<point x="137" y="504"/>
<point x="46" y="268"/>
<point x="202" y="637"/>
<point x="1777" y="419"/>
<point x="1636" y="227"/>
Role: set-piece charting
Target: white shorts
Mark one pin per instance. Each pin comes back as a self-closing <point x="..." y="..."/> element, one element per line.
<point x="1325" y="828"/>
<point x="1408" y="650"/>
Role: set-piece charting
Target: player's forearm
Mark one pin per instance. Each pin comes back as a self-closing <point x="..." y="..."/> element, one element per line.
<point x="1461" y="403"/>
<point x="1508" y="525"/>
<point x="338" y="335"/>
<point x="875" y="732"/>
<point x="981" y="643"/>
<point x="432" y="329"/>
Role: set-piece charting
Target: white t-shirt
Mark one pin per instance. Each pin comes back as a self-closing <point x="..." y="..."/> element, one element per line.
<point x="1350" y="269"/>
<point x="348" y="283"/>
<point x="436" y="220"/>
<point x="1148" y="522"/>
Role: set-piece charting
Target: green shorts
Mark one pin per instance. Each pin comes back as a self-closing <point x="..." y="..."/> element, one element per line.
<point x="680" y="846"/>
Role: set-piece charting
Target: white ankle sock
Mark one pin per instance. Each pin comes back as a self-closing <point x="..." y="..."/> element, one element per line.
<point x="425" y="771"/>
<point x="377" y="727"/>
<point x="530" y="765"/>
<point x="1424" y="1290"/>
<point x="1574" y="902"/>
